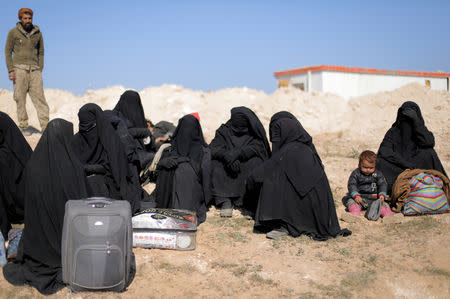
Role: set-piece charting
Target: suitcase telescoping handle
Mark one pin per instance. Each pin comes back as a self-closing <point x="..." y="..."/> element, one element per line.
<point x="99" y="202"/>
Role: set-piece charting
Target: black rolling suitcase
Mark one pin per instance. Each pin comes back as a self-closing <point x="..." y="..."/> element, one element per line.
<point x="97" y="245"/>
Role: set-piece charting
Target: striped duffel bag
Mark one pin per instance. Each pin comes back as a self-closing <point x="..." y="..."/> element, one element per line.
<point x="426" y="196"/>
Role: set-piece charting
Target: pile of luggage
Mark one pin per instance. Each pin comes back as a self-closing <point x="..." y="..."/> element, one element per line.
<point x="99" y="233"/>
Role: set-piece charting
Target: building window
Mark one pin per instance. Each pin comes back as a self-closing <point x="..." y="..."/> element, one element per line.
<point x="283" y="83"/>
<point x="300" y="86"/>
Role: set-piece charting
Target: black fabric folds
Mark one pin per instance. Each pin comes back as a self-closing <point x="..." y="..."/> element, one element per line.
<point x="52" y="176"/>
<point x="14" y="154"/>
<point x="295" y="192"/>
<point x="130" y="147"/>
<point x="187" y="185"/>
<point x="408" y="144"/>
<point x="238" y="147"/>
<point x="97" y="143"/>
<point x="120" y="126"/>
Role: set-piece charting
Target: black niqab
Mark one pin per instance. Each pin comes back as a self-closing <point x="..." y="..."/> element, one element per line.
<point x="188" y="140"/>
<point x="14" y="154"/>
<point x="52" y="176"/>
<point x="405" y="126"/>
<point x="239" y="123"/>
<point x="130" y="107"/>
<point x="304" y="135"/>
<point x="241" y="118"/>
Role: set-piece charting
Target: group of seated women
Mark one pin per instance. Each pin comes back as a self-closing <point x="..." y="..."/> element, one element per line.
<point x="284" y="188"/>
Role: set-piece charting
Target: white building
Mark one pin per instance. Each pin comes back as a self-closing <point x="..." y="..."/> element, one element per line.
<point x="349" y="82"/>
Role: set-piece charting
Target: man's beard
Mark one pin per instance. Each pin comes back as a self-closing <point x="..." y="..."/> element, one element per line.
<point x="28" y="27"/>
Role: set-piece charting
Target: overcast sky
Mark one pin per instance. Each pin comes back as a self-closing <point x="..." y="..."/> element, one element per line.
<point x="209" y="45"/>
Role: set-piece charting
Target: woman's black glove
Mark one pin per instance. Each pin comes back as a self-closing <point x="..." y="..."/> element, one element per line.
<point x="139" y="132"/>
<point x="91" y="169"/>
<point x="235" y="166"/>
<point x="167" y="163"/>
<point x="231" y="156"/>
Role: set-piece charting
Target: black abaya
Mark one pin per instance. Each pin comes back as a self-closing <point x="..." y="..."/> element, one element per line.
<point x="242" y="141"/>
<point x="187" y="184"/>
<point x="130" y="148"/>
<point x="101" y="152"/>
<point x="407" y="145"/>
<point x="14" y="154"/>
<point x="129" y="108"/>
<point x="295" y="192"/>
<point x="52" y="176"/>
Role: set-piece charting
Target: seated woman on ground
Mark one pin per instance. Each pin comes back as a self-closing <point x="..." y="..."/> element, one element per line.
<point x="183" y="173"/>
<point x="14" y="154"/>
<point x="129" y="108"/>
<point x="101" y="152"/>
<point x="295" y="197"/>
<point x="239" y="146"/>
<point x="407" y="145"/>
<point x="366" y="185"/>
<point x="52" y="176"/>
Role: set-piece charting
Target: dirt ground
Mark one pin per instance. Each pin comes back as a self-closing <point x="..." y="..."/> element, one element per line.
<point x="406" y="260"/>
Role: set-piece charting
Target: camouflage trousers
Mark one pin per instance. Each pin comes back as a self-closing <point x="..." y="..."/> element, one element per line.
<point x="29" y="80"/>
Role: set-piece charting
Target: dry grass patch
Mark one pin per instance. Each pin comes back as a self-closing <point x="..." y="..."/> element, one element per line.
<point x="330" y="290"/>
<point x="436" y="271"/>
<point x="184" y="268"/>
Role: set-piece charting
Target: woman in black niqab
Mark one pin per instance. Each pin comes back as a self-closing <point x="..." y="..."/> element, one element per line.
<point x="129" y="108"/>
<point x="239" y="146"/>
<point x="14" y="154"/>
<point x="295" y="195"/>
<point x="101" y="152"/>
<point x="183" y="173"/>
<point x="52" y="176"/>
<point x="408" y="144"/>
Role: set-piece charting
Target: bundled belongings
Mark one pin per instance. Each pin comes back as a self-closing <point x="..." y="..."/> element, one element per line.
<point x="420" y="191"/>
<point x="97" y="245"/>
<point x="165" y="229"/>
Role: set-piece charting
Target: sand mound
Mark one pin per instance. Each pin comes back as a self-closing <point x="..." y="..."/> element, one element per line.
<point x="363" y="117"/>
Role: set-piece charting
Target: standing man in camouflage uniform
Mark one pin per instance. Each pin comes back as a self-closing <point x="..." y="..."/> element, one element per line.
<point x="24" y="53"/>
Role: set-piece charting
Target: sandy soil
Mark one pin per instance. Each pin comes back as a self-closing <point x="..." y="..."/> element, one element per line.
<point x="406" y="260"/>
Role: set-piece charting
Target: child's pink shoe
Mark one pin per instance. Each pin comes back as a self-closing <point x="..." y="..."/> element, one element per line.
<point x="386" y="211"/>
<point x="389" y="217"/>
<point x="355" y="210"/>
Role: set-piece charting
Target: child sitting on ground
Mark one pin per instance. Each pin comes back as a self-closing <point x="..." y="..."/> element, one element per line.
<point x="365" y="185"/>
